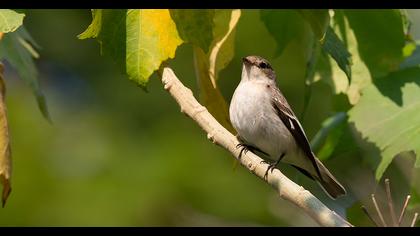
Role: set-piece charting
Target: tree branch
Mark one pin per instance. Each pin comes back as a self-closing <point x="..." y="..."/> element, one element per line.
<point x="216" y="133"/>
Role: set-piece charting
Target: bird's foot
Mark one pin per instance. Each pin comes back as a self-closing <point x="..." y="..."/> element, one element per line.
<point x="272" y="165"/>
<point x="245" y="149"/>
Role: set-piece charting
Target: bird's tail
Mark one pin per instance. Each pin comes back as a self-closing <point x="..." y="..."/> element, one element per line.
<point x="328" y="183"/>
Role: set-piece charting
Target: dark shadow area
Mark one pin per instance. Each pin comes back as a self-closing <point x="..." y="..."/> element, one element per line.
<point x="391" y="85"/>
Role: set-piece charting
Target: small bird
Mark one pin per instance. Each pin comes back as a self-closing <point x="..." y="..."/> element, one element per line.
<point x="265" y="123"/>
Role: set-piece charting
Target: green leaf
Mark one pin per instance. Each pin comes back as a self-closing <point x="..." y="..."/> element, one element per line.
<point x="330" y="73"/>
<point x="195" y="26"/>
<point x="138" y="40"/>
<point x="284" y="26"/>
<point x="327" y="70"/>
<point x="319" y="19"/>
<point x="338" y="51"/>
<point x="95" y="27"/>
<point x="109" y="28"/>
<point x="340" y="23"/>
<point x="327" y="138"/>
<point x="152" y="38"/>
<point x="14" y="49"/>
<point x="380" y="37"/>
<point x="387" y="115"/>
<point x="10" y="20"/>
<point x="28" y="42"/>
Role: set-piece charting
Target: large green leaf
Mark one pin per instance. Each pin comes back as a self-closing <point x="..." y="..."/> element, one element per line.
<point x="284" y="26"/>
<point x="195" y="26"/>
<point x="10" y="20"/>
<point x="109" y="27"/>
<point x="387" y="115"/>
<point x="17" y="50"/>
<point x="152" y="38"/>
<point x="380" y="37"/>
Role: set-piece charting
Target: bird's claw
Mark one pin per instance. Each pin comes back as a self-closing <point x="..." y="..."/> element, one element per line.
<point x="244" y="149"/>
<point x="270" y="167"/>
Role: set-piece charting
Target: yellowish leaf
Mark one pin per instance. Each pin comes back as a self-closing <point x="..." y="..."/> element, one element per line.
<point x="151" y="39"/>
<point x="210" y="96"/>
<point x="223" y="49"/>
<point x="208" y="65"/>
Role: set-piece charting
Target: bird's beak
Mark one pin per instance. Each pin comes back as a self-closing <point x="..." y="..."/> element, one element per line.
<point x="246" y="61"/>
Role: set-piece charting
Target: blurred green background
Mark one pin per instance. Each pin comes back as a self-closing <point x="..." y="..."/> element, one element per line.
<point x="117" y="156"/>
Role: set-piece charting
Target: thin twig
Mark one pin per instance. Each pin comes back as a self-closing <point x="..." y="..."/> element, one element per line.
<point x="390" y="202"/>
<point x="369" y="216"/>
<point x="378" y="210"/>
<point x="414" y="219"/>
<point x="403" y="209"/>
<point x="217" y="134"/>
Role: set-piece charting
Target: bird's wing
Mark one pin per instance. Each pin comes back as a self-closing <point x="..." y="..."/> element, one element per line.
<point x="289" y="119"/>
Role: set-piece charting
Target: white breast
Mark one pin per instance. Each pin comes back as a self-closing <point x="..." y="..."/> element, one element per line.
<point x="256" y="121"/>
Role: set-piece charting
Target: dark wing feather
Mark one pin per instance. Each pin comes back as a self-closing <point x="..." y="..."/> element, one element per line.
<point x="289" y="119"/>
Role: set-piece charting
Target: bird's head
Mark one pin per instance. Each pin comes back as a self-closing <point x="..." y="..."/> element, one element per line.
<point x="257" y="68"/>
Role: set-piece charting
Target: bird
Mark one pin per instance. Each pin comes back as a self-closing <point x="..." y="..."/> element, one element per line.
<point x="266" y="124"/>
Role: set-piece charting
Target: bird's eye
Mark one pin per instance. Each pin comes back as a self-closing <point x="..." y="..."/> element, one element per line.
<point x="263" y="65"/>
